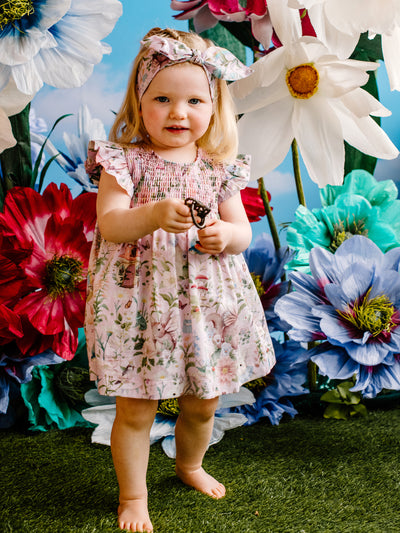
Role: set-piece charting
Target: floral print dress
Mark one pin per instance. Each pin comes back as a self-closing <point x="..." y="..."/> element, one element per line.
<point x="162" y="320"/>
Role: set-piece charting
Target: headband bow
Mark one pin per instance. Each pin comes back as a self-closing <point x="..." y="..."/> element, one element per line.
<point x="163" y="52"/>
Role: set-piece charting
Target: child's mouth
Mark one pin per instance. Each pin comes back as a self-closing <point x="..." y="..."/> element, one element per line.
<point x="176" y="129"/>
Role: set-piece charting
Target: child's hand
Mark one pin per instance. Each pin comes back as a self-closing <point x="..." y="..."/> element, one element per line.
<point x="172" y="215"/>
<point x="215" y="237"/>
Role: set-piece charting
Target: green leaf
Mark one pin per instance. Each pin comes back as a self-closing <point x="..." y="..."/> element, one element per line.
<point x="224" y="38"/>
<point x="16" y="162"/>
<point x="40" y="154"/>
<point x="339" y="412"/>
<point x="366" y="50"/>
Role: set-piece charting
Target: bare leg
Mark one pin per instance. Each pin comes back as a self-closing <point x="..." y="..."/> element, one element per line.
<point x="192" y="434"/>
<point x="130" y="446"/>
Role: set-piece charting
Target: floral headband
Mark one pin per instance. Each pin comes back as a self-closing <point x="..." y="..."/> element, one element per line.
<point x="163" y="52"/>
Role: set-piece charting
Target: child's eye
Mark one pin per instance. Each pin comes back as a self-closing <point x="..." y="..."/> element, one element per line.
<point x="194" y="101"/>
<point x="161" y="99"/>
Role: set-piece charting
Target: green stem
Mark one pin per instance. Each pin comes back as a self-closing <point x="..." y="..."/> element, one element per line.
<point x="268" y="212"/>
<point x="312" y="376"/>
<point x="297" y="174"/>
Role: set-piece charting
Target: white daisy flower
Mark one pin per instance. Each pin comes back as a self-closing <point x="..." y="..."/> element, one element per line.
<point x="302" y="91"/>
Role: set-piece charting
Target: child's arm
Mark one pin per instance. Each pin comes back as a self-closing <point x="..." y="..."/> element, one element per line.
<point x="230" y="234"/>
<point x="118" y="222"/>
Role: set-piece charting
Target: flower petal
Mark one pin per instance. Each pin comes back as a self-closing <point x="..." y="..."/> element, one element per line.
<point x="266" y="143"/>
<point x="318" y="131"/>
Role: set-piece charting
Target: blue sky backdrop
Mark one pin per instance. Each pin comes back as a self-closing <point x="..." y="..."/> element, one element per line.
<point x="104" y="90"/>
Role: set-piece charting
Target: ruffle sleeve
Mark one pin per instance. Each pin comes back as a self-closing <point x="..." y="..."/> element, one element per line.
<point x="237" y="178"/>
<point x="110" y="157"/>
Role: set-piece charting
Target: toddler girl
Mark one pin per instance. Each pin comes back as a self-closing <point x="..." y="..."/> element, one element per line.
<point x="172" y="311"/>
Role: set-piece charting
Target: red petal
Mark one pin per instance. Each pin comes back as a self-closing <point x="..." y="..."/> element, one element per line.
<point x="58" y="200"/>
<point x="253" y="203"/>
<point x="84" y="209"/>
<point x="44" y="313"/>
<point x="10" y="325"/>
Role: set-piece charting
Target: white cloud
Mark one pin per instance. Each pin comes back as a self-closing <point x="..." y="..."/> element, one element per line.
<point x="277" y="183"/>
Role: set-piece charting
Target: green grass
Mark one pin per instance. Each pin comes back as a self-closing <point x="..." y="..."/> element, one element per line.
<point x="307" y="475"/>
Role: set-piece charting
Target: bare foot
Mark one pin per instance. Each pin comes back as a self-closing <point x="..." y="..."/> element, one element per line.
<point x="134" y="516"/>
<point x="201" y="481"/>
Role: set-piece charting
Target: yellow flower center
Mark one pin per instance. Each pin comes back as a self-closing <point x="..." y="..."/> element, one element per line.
<point x="62" y="275"/>
<point x="302" y="81"/>
<point x="14" y="10"/>
<point x="373" y="315"/>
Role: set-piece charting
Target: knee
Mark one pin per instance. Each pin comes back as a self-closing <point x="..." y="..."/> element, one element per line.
<point x="197" y="409"/>
<point x="135" y="413"/>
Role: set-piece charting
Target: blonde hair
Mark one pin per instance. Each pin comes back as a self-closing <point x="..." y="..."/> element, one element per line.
<point x="220" y="140"/>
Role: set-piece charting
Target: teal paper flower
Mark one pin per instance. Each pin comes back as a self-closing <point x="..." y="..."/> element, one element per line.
<point x="361" y="206"/>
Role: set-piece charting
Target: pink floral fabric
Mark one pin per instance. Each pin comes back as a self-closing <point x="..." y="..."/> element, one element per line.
<point x="161" y="319"/>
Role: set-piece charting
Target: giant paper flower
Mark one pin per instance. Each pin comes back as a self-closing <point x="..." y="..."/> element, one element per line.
<point x="287" y="378"/>
<point x="339" y="23"/>
<point x="361" y="206"/>
<point x="351" y="300"/>
<point x="73" y="163"/>
<point x="55" y="233"/>
<point x="266" y="266"/>
<point x="207" y="13"/>
<point x="53" y="41"/>
<point x="302" y="91"/>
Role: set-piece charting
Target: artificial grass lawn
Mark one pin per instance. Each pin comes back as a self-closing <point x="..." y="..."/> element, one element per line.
<point x="307" y="475"/>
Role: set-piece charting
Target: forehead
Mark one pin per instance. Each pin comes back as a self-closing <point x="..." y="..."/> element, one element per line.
<point x="179" y="77"/>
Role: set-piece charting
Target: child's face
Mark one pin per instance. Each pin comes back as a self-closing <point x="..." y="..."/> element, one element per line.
<point x="176" y="110"/>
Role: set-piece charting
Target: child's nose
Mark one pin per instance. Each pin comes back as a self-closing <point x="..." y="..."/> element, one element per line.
<point x="178" y="111"/>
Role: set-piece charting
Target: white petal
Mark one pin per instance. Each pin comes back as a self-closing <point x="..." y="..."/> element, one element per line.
<point x="7" y="139"/>
<point x="337" y="41"/>
<point x="319" y="135"/>
<point x="390" y="48"/>
<point x="20" y="49"/>
<point x="61" y="70"/>
<point x="364" y="134"/>
<point x="266" y="71"/>
<point x="349" y="16"/>
<point x="262" y="96"/>
<point x="27" y="77"/>
<point x="266" y="135"/>
<point x="13" y="101"/>
<point x="338" y="78"/>
<point x="286" y="21"/>
<point x="362" y="104"/>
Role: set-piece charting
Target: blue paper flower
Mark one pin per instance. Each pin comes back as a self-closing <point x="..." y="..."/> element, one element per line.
<point x="286" y="379"/>
<point x="352" y="301"/>
<point x="267" y="268"/>
<point x="361" y="206"/>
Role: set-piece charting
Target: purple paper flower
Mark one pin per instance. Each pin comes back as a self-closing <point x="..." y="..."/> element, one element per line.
<point x="352" y="301"/>
<point x="286" y="379"/>
<point x="267" y="266"/>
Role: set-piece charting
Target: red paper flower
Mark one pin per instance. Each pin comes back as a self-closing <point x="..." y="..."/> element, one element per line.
<point x="253" y="203"/>
<point x="46" y="240"/>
